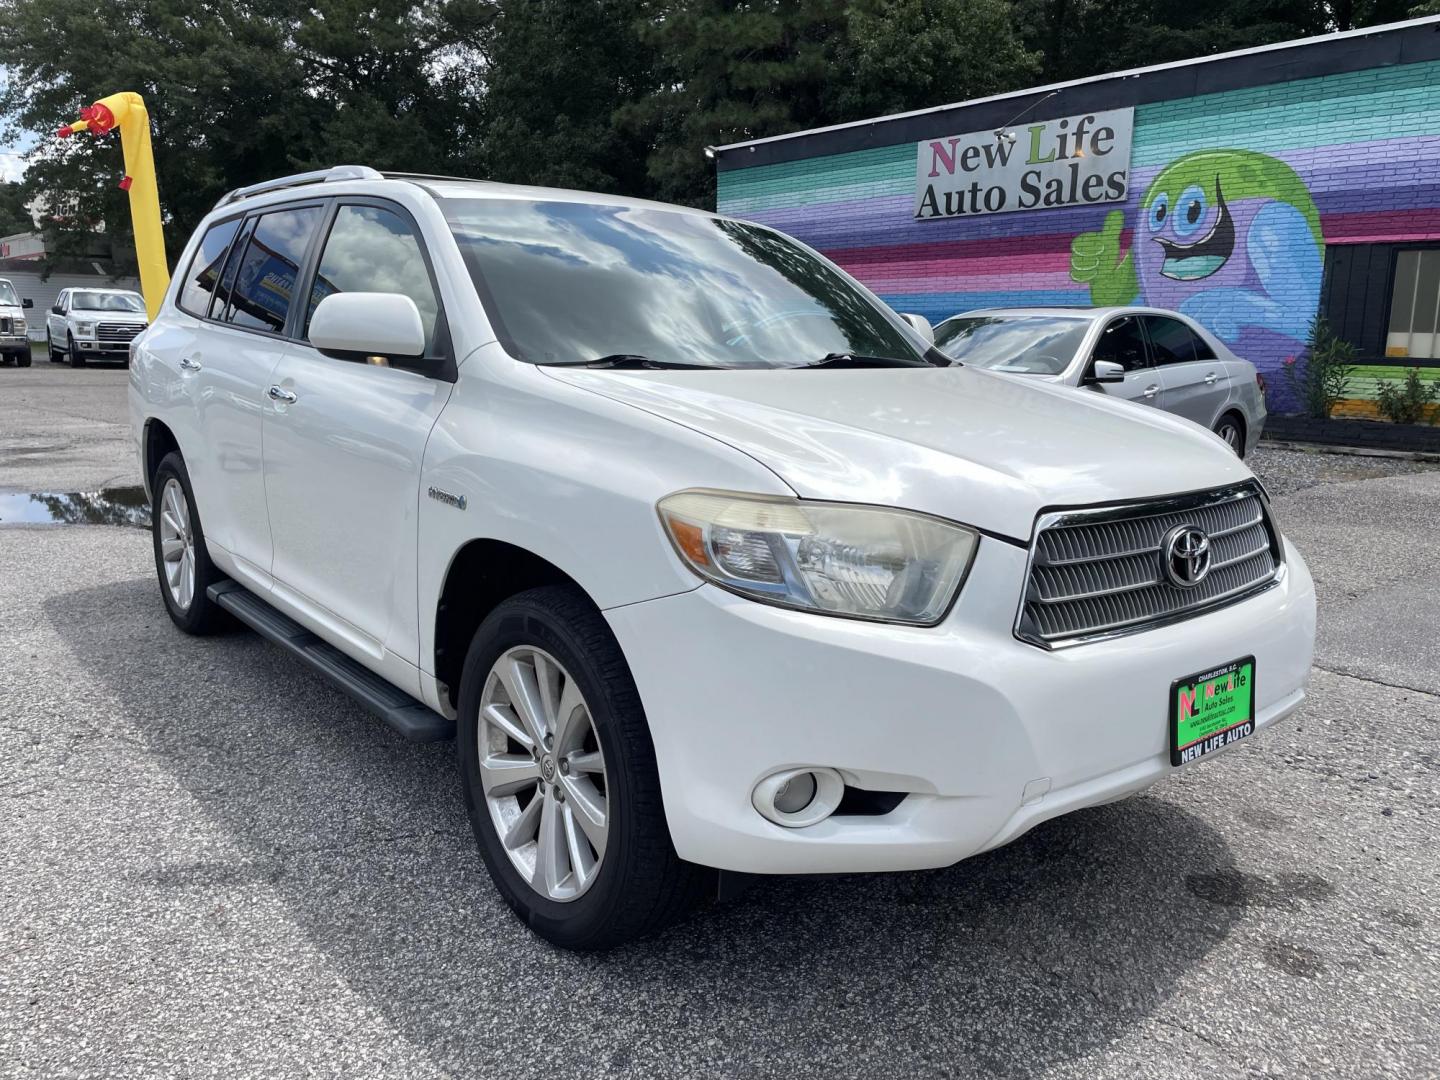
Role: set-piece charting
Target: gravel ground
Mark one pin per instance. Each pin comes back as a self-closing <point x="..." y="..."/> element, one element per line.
<point x="212" y="864"/>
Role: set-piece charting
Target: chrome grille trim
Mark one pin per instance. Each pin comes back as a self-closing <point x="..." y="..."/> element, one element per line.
<point x="113" y="331"/>
<point x="1095" y="572"/>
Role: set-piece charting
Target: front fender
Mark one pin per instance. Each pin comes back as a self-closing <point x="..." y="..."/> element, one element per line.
<point x="566" y="474"/>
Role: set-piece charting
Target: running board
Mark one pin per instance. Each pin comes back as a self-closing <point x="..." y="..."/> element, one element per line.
<point x="413" y="719"/>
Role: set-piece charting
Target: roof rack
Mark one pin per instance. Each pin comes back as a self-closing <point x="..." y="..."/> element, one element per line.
<point x="319" y="176"/>
<point x="388" y="175"/>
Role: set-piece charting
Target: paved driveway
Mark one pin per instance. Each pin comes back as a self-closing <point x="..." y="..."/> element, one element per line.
<point x="211" y="864"/>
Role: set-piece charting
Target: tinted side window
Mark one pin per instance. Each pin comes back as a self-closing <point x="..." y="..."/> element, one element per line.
<point x="375" y="250"/>
<point x="1174" y="342"/>
<point x="265" y="274"/>
<point x="204" y="273"/>
<point x="1122" y="342"/>
<point x="221" y="298"/>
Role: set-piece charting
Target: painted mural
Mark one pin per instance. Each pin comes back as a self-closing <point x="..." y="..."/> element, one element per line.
<point x="1229" y="237"/>
<point x="1234" y="197"/>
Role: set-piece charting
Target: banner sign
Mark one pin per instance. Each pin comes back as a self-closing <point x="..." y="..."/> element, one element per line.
<point x="1069" y="161"/>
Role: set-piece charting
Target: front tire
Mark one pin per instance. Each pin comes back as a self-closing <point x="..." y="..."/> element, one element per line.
<point x="22" y="359"/>
<point x="558" y="772"/>
<point x="182" y="562"/>
<point x="54" y="353"/>
<point x="76" y="359"/>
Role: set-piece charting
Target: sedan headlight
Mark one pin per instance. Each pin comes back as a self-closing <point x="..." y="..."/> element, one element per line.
<point x="861" y="562"/>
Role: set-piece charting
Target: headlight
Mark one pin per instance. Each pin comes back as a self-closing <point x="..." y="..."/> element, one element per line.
<point x="18" y="325"/>
<point x="85" y="329"/>
<point x="862" y="562"/>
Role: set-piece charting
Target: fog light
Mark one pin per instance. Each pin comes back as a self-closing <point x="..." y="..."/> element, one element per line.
<point x="798" y="797"/>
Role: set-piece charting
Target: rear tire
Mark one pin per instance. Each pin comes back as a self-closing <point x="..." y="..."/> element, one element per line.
<point x="76" y="360"/>
<point x="1232" y="429"/>
<point x="636" y="883"/>
<point x="182" y="562"/>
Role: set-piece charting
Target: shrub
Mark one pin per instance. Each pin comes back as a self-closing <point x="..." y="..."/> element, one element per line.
<point x="1405" y="403"/>
<point x="1323" y="380"/>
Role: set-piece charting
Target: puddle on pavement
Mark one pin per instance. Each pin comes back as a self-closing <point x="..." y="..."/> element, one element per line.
<point x="113" y="506"/>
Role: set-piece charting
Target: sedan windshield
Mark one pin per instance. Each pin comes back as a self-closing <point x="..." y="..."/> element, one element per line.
<point x="574" y="283"/>
<point x="105" y="301"/>
<point x="7" y="294"/>
<point x="1026" y="344"/>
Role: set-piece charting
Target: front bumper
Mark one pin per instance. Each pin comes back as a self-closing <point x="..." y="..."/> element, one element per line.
<point x="988" y="734"/>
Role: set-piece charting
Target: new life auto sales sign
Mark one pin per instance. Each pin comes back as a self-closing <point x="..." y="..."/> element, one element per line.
<point x="1069" y="161"/>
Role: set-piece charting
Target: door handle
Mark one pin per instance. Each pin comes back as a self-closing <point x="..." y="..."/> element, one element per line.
<point x="188" y="364"/>
<point x="1151" y="390"/>
<point x="285" y="397"/>
<point x="1210" y="378"/>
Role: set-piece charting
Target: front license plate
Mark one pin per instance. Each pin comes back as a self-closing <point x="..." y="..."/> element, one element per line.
<point x="1211" y="709"/>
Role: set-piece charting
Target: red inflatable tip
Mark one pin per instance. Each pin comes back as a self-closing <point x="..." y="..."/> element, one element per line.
<point x="125" y="184"/>
<point x="65" y="132"/>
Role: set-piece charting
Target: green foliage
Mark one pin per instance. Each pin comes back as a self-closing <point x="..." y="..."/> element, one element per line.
<point x="1322" y="381"/>
<point x="238" y="91"/>
<point x="14" y="217"/>
<point x="556" y="73"/>
<point x="615" y="95"/>
<point x="1407" y="402"/>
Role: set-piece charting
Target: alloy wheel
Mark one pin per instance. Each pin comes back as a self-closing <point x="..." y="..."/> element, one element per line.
<point x="543" y="773"/>
<point x="1230" y="432"/>
<point x="177" y="544"/>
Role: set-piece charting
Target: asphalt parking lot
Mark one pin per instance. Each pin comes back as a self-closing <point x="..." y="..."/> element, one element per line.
<point x="211" y="864"/>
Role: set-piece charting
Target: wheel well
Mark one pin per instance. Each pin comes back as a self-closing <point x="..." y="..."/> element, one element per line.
<point x="159" y="441"/>
<point x="1239" y="420"/>
<point x="482" y="575"/>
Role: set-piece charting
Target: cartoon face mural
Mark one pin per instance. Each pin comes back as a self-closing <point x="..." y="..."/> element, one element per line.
<point x="1229" y="237"/>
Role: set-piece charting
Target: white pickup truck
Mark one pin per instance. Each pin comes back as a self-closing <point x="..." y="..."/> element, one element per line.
<point x="94" y="324"/>
<point x="13" y="343"/>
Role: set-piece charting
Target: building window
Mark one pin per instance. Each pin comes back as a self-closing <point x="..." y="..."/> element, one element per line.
<point x="1415" y="305"/>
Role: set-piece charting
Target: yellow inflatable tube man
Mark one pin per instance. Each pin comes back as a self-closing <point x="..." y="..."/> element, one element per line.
<point x="127" y="112"/>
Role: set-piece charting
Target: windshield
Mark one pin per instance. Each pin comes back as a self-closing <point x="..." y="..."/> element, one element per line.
<point x="7" y="294"/>
<point x="1027" y="344"/>
<point x="566" y="283"/>
<point x="105" y="301"/>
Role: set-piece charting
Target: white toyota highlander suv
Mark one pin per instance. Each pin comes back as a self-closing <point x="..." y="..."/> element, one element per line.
<point x="706" y="559"/>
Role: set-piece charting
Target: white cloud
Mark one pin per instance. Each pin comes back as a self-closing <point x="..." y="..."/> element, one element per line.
<point x="12" y="166"/>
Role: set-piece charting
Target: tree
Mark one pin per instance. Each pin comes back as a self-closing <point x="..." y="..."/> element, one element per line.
<point x="14" y="216"/>
<point x="238" y="91"/>
<point x="897" y="55"/>
<point x="728" y="70"/>
<point x="556" y="72"/>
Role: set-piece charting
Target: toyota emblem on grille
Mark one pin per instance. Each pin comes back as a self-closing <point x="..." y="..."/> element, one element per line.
<point x="1186" y="556"/>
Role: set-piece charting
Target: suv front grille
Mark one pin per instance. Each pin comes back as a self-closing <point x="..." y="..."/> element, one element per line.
<point x="1102" y="572"/>
<point x="118" y="331"/>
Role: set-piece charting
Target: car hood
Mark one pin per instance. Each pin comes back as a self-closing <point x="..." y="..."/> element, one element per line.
<point x="109" y="316"/>
<point x="968" y="445"/>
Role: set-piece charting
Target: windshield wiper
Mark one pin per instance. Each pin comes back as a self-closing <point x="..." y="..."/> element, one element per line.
<point x="629" y="362"/>
<point x="856" y="360"/>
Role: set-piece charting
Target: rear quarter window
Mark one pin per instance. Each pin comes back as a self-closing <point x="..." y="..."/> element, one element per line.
<point x="203" y="275"/>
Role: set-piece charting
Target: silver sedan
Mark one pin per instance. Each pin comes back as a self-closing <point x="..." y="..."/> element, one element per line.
<point x="1151" y="357"/>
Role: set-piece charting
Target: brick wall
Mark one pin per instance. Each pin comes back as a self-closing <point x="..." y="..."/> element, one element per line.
<point x="1365" y="147"/>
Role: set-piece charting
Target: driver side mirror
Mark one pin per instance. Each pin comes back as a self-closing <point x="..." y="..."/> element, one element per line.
<point x="27" y="303"/>
<point x="921" y="326"/>
<point x="57" y="310"/>
<point x="368" y="327"/>
<point x="1105" y="371"/>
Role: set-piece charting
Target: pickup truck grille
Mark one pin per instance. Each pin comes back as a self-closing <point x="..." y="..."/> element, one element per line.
<point x="118" y="331"/>
<point x="5" y="326"/>
<point x="1102" y="572"/>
